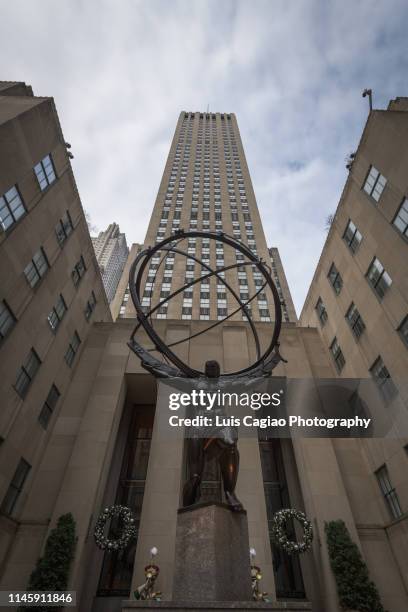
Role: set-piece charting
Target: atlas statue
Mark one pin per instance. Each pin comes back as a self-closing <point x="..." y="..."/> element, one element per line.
<point x="216" y="442"/>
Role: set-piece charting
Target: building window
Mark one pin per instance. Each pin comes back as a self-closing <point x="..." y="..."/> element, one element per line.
<point x="15" y="487"/>
<point x="389" y="492"/>
<point x="222" y="312"/>
<point x="37" y="268"/>
<point x="26" y="373"/>
<point x="72" y="349"/>
<point x="186" y="312"/>
<point x="355" y="320"/>
<point x="7" y="320"/>
<point x="352" y="237"/>
<point x="45" y="172"/>
<point x="321" y="311"/>
<point x="337" y="355"/>
<point x="64" y="228"/>
<point x="48" y="407"/>
<point x="90" y="306"/>
<point x="57" y="314"/>
<point x="401" y="218"/>
<point x="378" y="278"/>
<point x="162" y="312"/>
<point x="11" y="208"/>
<point x="402" y="330"/>
<point x="335" y="279"/>
<point x="204" y="313"/>
<point x="78" y="271"/>
<point x="382" y="379"/>
<point x="375" y="183"/>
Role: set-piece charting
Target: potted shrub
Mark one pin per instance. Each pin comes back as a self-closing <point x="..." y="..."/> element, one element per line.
<point x="52" y="570"/>
<point x="357" y="593"/>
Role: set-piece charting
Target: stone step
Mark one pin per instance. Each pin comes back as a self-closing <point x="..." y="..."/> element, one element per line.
<point x="214" y="606"/>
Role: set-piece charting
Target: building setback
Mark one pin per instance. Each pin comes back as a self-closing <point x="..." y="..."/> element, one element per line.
<point x="106" y="444"/>
<point x="111" y="253"/>
<point x="279" y="278"/>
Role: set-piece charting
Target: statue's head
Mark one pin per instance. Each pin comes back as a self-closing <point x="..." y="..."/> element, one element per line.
<point x="212" y="369"/>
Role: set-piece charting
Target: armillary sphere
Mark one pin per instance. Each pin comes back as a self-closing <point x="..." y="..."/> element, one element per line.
<point x="264" y="362"/>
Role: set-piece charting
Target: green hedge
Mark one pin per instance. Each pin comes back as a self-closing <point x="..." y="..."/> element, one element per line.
<point x="355" y="589"/>
<point x="52" y="570"/>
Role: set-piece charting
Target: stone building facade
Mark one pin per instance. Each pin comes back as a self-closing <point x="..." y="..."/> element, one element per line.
<point x="358" y="301"/>
<point x="51" y="293"/>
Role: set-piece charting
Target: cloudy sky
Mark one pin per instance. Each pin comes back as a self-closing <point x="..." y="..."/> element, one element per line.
<point x="293" y="71"/>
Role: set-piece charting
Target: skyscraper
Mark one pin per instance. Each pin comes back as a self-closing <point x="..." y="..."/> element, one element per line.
<point x="111" y="253"/>
<point x="206" y="184"/>
<point x="122" y="294"/>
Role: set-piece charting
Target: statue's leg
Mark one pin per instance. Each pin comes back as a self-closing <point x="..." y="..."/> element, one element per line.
<point x="229" y="463"/>
<point x="195" y="462"/>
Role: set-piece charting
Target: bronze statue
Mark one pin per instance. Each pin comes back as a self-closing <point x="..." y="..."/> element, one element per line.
<point x="223" y="446"/>
<point x="218" y="442"/>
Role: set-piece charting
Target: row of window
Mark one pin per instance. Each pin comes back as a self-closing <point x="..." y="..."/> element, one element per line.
<point x="216" y="207"/>
<point x="374" y="186"/>
<point x="34" y="272"/>
<point x="205" y="179"/>
<point x="206" y="116"/>
<point x="206" y="162"/>
<point x="204" y="189"/>
<point x="199" y="168"/>
<point x="378" y="371"/>
<point x="204" y="312"/>
<point x="27" y="371"/>
<point x="353" y="237"/>
<point x="356" y="322"/>
<point x="12" y="207"/>
<point x="376" y="275"/>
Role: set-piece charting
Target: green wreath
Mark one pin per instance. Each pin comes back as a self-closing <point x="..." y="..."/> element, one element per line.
<point x="128" y="532"/>
<point x="279" y="531"/>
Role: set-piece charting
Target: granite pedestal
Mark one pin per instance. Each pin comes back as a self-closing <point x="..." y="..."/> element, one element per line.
<point x="212" y="554"/>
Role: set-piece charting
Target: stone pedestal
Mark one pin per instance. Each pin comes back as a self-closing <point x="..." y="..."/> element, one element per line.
<point x="212" y="554"/>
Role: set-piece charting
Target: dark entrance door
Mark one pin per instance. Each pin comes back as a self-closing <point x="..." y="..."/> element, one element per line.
<point x="288" y="575"/>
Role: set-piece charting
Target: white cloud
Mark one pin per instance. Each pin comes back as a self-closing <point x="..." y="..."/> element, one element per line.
<point x="293" y="73"/>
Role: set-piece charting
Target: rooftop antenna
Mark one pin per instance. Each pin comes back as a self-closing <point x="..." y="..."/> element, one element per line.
<point x="369" y="93"/>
